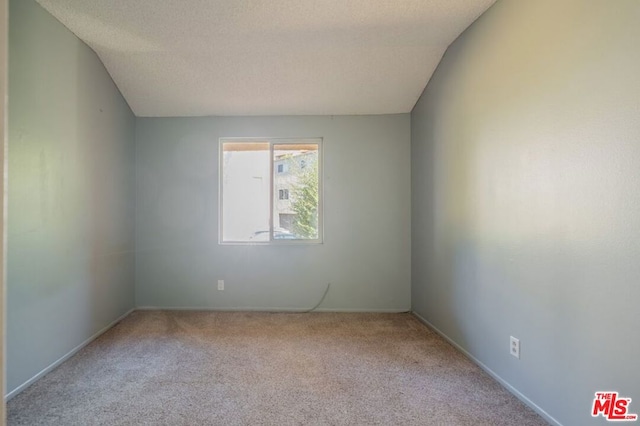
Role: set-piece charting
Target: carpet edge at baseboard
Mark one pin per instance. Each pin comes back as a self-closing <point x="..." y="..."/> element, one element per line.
<point x="515" y="392"/>
<point x="264" y="309"/>
<point x="65" y="357"/>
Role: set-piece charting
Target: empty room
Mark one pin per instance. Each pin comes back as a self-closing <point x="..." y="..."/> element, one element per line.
<point x="340" y="212"/>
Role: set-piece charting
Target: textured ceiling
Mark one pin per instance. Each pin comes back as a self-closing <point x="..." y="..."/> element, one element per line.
<point x="268" y="57"/>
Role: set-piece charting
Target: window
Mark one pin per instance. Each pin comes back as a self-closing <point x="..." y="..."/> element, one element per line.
<point x="286" y="220"/>
<point x="259" y="202"/>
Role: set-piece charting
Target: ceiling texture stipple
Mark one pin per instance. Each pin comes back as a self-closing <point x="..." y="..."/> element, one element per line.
<point x="268" y="57"/>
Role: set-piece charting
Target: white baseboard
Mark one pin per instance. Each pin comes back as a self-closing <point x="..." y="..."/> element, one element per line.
<point x="489" y="371"/>
<point x="261" y="309"/>
<point x="65" y="357"/>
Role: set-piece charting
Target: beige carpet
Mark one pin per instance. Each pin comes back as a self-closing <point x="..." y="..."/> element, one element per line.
<point x="215" y="368"/>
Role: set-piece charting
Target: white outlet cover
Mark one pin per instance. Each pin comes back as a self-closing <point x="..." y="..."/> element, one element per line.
<point x="514" y="347"/>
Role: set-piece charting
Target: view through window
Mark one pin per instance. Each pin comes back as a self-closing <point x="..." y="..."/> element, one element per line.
<point x="270" y="190"/>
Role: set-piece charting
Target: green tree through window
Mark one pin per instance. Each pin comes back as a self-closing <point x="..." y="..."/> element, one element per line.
<point x="305" y="203"/>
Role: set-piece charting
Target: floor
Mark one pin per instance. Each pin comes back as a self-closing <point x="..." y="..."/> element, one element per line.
<point x="239" y="368"/>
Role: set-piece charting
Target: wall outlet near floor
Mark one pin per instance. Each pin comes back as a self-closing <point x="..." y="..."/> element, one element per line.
<point x="220" y="284"/>
<point x="514" y="347"/>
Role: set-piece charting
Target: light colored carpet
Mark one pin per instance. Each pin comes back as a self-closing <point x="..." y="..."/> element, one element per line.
<point x="239" y="368"/>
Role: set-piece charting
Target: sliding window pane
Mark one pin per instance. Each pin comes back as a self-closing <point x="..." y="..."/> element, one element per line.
<point x="296" y="191"/>
<point x="245" y="191"/>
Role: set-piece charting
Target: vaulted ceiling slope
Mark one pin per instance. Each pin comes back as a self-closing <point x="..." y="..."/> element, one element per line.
<point x="268" y="57"/>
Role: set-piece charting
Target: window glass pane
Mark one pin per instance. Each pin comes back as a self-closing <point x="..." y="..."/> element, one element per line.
<point x="245" y="191"/>
<point x="296" y="191"/>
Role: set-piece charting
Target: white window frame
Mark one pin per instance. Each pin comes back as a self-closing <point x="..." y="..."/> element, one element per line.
<point x="272" y="196"/>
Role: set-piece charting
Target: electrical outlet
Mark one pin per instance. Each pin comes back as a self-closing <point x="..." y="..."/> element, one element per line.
<point x="514" y="347"/>
<point x="220" y="284"/>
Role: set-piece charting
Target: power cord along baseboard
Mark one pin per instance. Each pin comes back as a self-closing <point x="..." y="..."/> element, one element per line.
<point x="320" y="302"/>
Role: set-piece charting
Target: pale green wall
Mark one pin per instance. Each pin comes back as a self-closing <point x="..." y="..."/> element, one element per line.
<point x="526" y="199"/>
<point x="366" y="250"/>
<point x="70" y="263"/>
<point x="4" y="44"/>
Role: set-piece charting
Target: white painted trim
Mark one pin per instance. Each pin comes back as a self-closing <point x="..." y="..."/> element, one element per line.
<point x="493" y="374"/>
<point x="65" y="357"/>
<point x="262" y="309"/>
